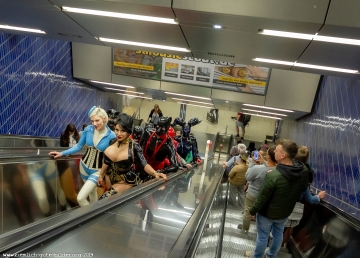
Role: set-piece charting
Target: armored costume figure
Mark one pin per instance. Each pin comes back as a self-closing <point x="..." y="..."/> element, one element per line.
<point x="137" y="133"/>
<point x="157" y="146"/>
<point x="112" y="114"/>
<point x="187" y="144"/>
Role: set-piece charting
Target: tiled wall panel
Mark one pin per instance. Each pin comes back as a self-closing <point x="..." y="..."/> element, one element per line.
<point x="38" y="95"/>
<point x="332" y="134"/>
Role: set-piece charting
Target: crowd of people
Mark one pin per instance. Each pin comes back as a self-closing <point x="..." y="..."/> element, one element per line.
<point x="271" y="183"/>
<point x="119" y="157"/>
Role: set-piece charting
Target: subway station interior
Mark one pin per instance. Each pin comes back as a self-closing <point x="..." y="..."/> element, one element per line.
<point x="293" y="67"/>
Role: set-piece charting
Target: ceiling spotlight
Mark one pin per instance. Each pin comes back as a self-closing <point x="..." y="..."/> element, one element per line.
<point x="134" y="96"/>
<point x="194" y="101"/>
<point x="296" y="64"/>
<point x="185" y="95"/>
<point x="265" y="112"/>
<point x="126" y="91"/>
<point x="279" y="109"/>
<point x="113" y="84"/>
<point x="217" y="26"/>
<point x="120" y="15"/>
<point x="263" y="116"/>
<point x="7" y="27"/>
<point x="141" y="44"/>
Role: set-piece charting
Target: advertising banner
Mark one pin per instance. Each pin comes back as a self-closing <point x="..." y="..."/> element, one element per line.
<point x="188" y="70"/>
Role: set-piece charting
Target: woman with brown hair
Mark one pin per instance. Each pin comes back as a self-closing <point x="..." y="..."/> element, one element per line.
<point x="155" y="114"/>
<point x="70" y="137"/>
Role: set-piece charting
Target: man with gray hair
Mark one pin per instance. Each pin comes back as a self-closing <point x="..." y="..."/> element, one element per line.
<point x="277" y="197"/>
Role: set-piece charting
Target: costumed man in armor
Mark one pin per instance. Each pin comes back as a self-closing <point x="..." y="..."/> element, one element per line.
<point x="137" y="133"/>
<point x="158" y="146"/>
<point x="187" y="144"/>
<point x="112" y="114"/>
<point x="97" y="138"/>
<point x="182" y="162"/>
<point x="122" y="155"/>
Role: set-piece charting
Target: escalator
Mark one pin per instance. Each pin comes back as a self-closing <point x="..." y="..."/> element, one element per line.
<point x="148" y="219"/>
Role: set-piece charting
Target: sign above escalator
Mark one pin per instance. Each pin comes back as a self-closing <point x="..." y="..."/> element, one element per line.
<point x="189" y="70"/>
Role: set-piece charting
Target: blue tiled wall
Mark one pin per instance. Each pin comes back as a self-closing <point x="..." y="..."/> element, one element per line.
<point x="332" y="134"/>
<point x="38" y="95"/>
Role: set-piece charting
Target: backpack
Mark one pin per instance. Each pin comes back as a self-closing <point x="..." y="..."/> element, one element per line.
<point x="245" y="119"/>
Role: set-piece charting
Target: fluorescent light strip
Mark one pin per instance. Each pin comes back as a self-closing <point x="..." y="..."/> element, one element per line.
<point x="113" y="84"/>
<point x="175" y="220"/>
<point x="126" y="91"/>
<point x="178" y="94"/>
<point x="279" y="109"/>
<point x="195" y="101"/>
<point x="315" y="37"/>
<point x="140" y="44"/>
<point x="119" y="15"/>
<point x="263" y="112"/>
<point x="194" y="105"/>
<point x="319" y="67"/>
<point x="7" y="27"/>
<point x="134" y="96"/>
<point x="263" y="116"/>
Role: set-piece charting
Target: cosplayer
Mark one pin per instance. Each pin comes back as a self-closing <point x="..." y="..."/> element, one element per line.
<point x="122" y="155"/>
<point x="112" y="114"/>
<point x="158" y="146"/>
<point x="187" y="144"/>
<point x="97" y="138"/>
<point x="181" y="161"/>
<point x="137" y="133"/>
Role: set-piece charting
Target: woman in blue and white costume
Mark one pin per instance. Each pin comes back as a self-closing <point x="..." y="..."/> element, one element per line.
<point x="97" y="138"/>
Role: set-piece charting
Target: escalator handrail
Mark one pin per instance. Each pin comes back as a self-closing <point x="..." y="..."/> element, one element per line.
<point x="35" y="233"/>
<point x="189" y="236"/>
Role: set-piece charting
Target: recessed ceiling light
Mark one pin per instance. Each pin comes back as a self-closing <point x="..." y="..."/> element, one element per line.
<point x="190" y="96"/>
<point x="126" y="91"/>
<point x="113" y="84"/>
<point x="195" y="101"/>
<point x="193" y="105"/>
<point x="285" y="110"/>
<point x="259" y="111"/>
<point x="119" y="15"/>
<point x="217" y="26"/>
<point x="263" y="116"/>
<point x="314" y="37"/>
<point x="227" y="101"/>
<point x="296" y="64"/>
<point x="7" y="27"/>
<point x="141" y="44"/>
<point x="133" y="96"/>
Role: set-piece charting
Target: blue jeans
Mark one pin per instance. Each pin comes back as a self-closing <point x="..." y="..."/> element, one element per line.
<point x="264" y="226"/>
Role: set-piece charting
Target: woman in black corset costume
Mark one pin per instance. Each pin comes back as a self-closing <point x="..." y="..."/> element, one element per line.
<point x="121" y="155"/>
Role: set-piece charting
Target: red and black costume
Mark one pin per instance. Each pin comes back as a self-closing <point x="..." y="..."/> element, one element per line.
<point x="157" y="146"/>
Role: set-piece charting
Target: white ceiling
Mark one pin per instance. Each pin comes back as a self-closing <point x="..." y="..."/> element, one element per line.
<point x="239" y="38"/>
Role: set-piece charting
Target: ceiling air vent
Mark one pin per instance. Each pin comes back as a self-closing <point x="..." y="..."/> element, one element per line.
<point x="70" y="35"/>
<point x="217" y="54"/>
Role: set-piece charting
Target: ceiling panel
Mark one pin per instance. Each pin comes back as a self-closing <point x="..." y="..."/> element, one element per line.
<point x="45" y="17"/>
<point x="244" y="46"/>
<point x="242" y="23"/>
<point x="344" y="13"/>
<point x="131" y="30"/>
<point x="312" y="11"/>
<point x="333" y="55"/>
<point x="159" y="8"/>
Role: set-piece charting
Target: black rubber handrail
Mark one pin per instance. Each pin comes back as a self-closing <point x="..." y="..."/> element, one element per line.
<point x="28" y="236"/>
